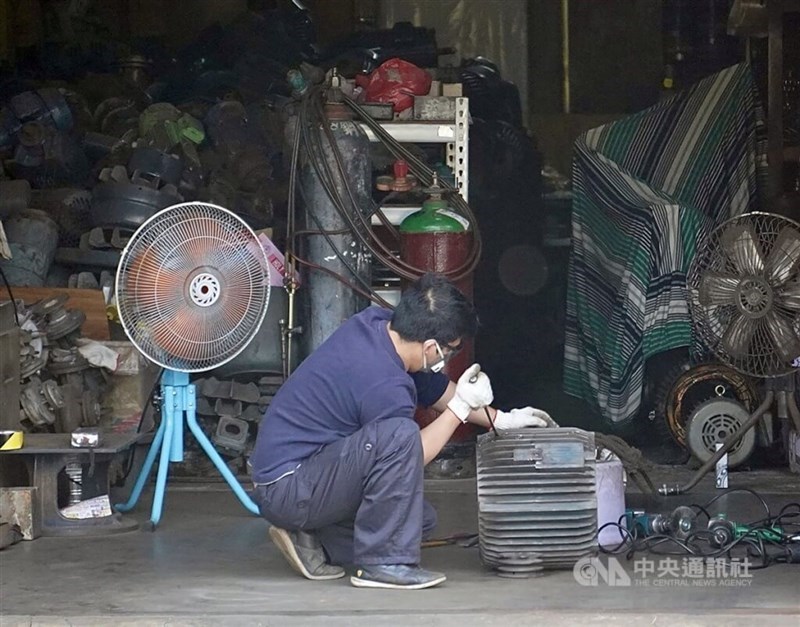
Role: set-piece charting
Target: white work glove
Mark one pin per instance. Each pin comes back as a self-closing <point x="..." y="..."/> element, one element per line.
<point x="471" y="395"/>
<point x="522" y="418"/>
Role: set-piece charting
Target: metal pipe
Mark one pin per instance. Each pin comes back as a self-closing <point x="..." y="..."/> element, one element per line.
<point x="290" y="330"/>
<point x="727" y="446"/>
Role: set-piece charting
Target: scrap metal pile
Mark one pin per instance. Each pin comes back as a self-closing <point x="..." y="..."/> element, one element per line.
<point x="84" y="180"/>
<point x="91" y="148"/>
<point x="229" y="411"/>
<point x="60" y="389"/>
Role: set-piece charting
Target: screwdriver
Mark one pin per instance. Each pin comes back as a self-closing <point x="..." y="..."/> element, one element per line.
<point x="473" y="379"/>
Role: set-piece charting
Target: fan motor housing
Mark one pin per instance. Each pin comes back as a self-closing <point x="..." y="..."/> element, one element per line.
<point x="713" y="422"/>
<point x="537" y="503"/>
<point x="754" y="297"/>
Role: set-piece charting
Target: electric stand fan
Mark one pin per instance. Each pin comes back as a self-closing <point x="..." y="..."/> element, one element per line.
<point x="192" y="290"/>
<point x="744" y="297"/>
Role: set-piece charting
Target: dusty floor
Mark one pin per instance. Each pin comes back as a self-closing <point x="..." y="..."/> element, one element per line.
<point x="211" y="563"/>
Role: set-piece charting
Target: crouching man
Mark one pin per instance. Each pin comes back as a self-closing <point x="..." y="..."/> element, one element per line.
<point x="338" y="463"/>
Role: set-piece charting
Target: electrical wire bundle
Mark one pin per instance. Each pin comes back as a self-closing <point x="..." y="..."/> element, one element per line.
<point x="314" y="135"/>
<point x="770" y="540"/>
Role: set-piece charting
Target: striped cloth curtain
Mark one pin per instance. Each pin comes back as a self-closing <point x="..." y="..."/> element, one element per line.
<point x="646" y="189"/>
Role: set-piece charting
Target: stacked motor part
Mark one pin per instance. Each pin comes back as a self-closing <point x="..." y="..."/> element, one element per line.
<point x="127" y="196"/>
<point x="60" y="390"/>
<point x="229" y="411"/>
<point x="537" y="505"/>
<point x="110" y="161"/>
<point x="37" y="135"/>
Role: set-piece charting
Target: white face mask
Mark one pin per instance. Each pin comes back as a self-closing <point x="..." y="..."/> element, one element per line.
<point x="439" y="365"/>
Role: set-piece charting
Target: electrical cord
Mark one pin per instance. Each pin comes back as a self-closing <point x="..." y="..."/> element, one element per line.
<point x="292" y="200"/>
<point x="301" y="131"/>
<point x="771" y="540"/>
<point x="318" y="140"/>
<point x="148" y="405"/>
<point x="316" y="151"/>
<point x="11" y="296"/>
<point x="368" y="291"/>
<point x="339" y="277"/>
<point x="735" y="490"/>
<point x="425" y="174"/>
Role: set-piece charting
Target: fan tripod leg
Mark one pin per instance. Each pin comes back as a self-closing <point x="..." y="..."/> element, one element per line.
<point x="191" y="420"/>
<point x="163" y="462"/>
<point x="144" y="473"/>
<point x="166" y="440"/>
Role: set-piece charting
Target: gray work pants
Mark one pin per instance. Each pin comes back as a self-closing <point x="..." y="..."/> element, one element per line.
<point x="361" y="496"/>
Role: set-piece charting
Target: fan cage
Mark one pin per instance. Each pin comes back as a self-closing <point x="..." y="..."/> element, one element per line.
<point x="711" y="321"/>
<point x="192" y="287"/>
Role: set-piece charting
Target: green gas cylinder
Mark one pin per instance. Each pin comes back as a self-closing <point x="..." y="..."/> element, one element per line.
<point x="434" y="217"/>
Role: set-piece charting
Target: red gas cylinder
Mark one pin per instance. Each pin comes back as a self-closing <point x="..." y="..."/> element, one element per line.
<point x="436" y="240"/>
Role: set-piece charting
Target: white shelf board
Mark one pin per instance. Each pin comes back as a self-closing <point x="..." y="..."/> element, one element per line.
<point x="416" y="132"/>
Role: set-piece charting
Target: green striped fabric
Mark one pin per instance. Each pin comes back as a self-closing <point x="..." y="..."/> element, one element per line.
<point x="646" y="189"/>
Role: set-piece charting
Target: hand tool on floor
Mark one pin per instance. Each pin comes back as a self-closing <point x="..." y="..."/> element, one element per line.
<point x="464" y="540"/>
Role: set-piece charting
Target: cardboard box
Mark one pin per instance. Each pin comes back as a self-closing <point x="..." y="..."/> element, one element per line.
<point x="128" y="390"/>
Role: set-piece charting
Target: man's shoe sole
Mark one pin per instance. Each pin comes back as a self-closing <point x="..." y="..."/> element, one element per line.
<point x="370" y="583"/>
<point x="284" y="542"/>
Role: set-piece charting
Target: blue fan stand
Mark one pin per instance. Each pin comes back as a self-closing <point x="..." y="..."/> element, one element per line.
<point x="178" y="401"/>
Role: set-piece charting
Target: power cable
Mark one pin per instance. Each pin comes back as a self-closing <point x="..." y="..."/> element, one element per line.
<point x="11" y="296"/>
<point x="318" y="140"/>
<point x="768" y="540"/>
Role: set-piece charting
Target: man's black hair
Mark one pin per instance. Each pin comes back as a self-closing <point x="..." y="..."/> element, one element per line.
<point x="434" y="308"/>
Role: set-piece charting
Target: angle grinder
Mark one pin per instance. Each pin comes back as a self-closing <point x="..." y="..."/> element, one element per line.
<point x="679" y="524"/>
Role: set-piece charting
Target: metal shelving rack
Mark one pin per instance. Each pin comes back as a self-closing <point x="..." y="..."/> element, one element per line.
<point x="453" y="134"/>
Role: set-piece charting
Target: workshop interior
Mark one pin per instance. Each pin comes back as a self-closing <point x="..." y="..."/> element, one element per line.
<point x="194" y="195"/>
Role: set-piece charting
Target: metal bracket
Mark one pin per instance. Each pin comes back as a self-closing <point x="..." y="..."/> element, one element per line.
<point x="458" y="151"/>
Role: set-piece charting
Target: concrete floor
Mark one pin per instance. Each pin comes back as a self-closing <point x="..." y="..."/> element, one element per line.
<point x="210" y="563"/>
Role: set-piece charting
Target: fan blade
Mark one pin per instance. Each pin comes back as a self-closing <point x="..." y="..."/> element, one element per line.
<point x="784" y="257"/>
<point x="784" y="339"/>
<point x="790" y="296"/>
<point x="718" y="289"/>
<point x="740" y="243"/>
<point x="738" y="335"/>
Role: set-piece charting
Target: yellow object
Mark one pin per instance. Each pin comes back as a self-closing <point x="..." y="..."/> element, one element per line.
<point x="112" y="313"/>
<point x="11" y="440"/>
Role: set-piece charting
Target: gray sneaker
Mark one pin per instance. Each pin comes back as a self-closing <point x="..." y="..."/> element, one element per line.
<point x="396" y="577"/>
<point x="305" y="554"/>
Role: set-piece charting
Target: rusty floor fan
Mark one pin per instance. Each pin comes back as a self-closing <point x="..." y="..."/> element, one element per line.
<point x="192" y="291"/>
